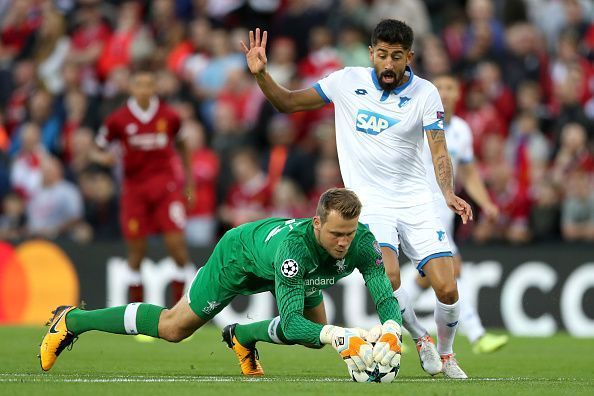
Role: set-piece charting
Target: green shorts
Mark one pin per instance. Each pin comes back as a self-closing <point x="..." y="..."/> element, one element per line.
<point x="206" y="296"/>
<point x="218" y="282"/>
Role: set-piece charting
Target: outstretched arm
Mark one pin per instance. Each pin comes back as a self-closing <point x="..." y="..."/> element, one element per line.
<point x="282" y="99"/>
<point x="444" y="174"/>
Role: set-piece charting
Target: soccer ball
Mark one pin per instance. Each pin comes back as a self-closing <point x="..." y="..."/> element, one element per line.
<point x="377" y="373"/>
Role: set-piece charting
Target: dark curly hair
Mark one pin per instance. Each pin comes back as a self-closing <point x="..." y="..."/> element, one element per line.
<point x="393" y="32"/>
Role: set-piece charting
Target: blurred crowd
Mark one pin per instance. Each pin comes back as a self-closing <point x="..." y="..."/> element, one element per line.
<point x="527" y="68"/>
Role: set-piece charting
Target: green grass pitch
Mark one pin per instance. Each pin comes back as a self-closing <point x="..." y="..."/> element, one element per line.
<point x="115" y="365"/>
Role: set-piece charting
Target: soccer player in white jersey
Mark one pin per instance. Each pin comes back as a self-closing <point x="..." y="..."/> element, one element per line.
<point x="459" y="142"/>
<point x="382" y="114"/>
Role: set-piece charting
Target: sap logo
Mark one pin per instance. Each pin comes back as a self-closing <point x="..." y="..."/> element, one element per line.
<point x="373" y="123"/>
<point x="403" y="101"/>
<point x="361" y="91"/>
<point x="441" y="235"/>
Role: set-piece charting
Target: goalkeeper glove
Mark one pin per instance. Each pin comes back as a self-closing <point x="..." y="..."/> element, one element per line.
<point x="387" y="348"/>
<point x="356" y="352"/>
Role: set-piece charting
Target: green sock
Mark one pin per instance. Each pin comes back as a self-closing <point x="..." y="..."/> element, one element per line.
<point x="266" y="330"/>
<point x="135" y="318"/>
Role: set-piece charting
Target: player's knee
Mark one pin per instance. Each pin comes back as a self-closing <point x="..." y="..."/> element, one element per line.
<point x="393" y="274"/>
<point x="169" y="328"/>
<point x="447" y="294"/>
<point x="174" y="334"/>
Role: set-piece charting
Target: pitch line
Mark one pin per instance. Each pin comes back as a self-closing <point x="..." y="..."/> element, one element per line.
<point x="71" y="378"/>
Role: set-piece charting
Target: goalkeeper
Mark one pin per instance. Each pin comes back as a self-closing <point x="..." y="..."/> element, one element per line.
<point x="294" y="259"/>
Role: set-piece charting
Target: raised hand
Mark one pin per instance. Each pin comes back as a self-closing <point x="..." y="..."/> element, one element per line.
<point x="256" y="53"/>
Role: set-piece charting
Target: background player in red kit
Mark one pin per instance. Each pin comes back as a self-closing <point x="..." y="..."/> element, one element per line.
<point x="152" y="200"/>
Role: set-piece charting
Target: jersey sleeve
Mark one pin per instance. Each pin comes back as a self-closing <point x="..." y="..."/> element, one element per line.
<point x="291" y="263"/>
<point x="328" y="87"/>
<point x="107" y="133"/>
<point x="433" y="113"/>
<point x="466" y="154"/>
<point x="372" y="268"/>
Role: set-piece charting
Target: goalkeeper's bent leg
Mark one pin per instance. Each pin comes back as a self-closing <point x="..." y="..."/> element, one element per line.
<point x="267" y="331"/>
<point x="135" y="318"/>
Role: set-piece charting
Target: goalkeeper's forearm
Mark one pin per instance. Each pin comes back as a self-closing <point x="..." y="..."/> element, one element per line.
<point x="385" y="303"/>
<point x="298" y="330"/>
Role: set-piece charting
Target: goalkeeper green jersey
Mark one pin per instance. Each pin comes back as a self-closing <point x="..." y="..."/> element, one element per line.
<point x="284" y="257"/>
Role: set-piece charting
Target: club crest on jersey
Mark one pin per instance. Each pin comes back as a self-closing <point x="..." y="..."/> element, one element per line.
<point x="373" y="123"/>
<point x="289" y="268"/>
<point x="403" y="101"/>
<point x="340" y="265"/>
<point x="131" y="129"/>
<point x="211" y="306"/>
<point x="377" y="247"/>
<point x="440" y="235"/>
<point x="161" y="125"/>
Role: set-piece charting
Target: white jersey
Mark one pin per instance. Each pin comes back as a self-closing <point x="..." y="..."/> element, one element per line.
<point x="379" y="135"/>
<point x="459" y="142"/>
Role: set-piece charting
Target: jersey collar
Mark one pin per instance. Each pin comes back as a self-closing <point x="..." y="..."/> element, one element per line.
<point x="142" y="115"/>
<point x="396" y="90"/>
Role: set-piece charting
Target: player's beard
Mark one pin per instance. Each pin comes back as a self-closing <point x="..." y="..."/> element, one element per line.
<point x="398" y="79"/>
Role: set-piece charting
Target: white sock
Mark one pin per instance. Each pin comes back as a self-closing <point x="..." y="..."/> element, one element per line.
<point x="189" y="272"/>
<point x="184" y="274"/>
<point x="446" y="318"/>
<point x="179" y="274"/>
<point x="133" y="277"/>
<point x="409" y="319"/>
<point x="470" y="322"/>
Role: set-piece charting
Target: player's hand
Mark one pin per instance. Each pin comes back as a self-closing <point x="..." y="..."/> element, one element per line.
<point x="388" y="347"/>
<point x="190" y="194"/>
<point x="256" y="53"/>
<point x="355" y="351"/>
<point x="460" y="207"/>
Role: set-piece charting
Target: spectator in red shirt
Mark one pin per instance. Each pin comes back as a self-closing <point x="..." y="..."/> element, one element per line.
<point x="514" y="209"/>
<point x="288" y="200"/>
<point x="23" y="80"/>
<point x="573" y="154"/>
<point x="25" y="174"/>
<point x="152" y="200"/>
<point x="18" y="24"/>
<point x="201" y="226"/>
<point x="322" y="58"/>
<point x="129" y="42"/>
<point x="481" y="116"/>
<point x="89" y="37"/>
<point x="249" y="197"/>
<point x="496" y="90"/>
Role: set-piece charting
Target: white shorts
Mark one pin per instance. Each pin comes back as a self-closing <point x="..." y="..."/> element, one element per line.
<point x="447" y="217"/>
<point x="417" y="229"/>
